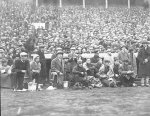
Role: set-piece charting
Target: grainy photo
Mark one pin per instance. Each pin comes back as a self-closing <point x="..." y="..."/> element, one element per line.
<point x="75" y="57"/>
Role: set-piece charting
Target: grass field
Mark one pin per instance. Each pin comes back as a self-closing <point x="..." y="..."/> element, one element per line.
<point x="95" y="102"/>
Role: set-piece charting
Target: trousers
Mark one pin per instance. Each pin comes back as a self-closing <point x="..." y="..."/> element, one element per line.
<point x="20" y="79"/>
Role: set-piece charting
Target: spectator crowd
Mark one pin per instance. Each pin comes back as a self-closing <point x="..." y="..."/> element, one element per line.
<point x="74" y="30"/>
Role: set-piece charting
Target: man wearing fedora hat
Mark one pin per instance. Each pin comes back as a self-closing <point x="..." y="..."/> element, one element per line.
<point x="144" y="63"/>
<point x="57" y="69"/>
<point x="55" y="52"/>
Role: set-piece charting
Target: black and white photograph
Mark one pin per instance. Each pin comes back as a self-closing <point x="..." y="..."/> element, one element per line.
<point x="75" y="57"/>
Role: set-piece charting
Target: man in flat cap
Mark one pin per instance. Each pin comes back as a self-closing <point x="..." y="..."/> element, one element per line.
<point x="57" y="69"/>
<point x="21" y="66"/>
<point x="144" y="63"/>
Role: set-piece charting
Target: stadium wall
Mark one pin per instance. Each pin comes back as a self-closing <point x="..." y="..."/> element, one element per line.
<point x="92" y="2"/>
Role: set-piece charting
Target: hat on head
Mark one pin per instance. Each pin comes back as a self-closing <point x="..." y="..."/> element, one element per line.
<point x="59" y="48"/>
<point x="72" y="48"/>
<point x="4" y="60"/>
<point x="96" y="51"/>
<point x="1" y="50"/>
<point x="96" y="56"/>
<point x="145" y="42"/>
<point x="23" y="54"/>
<point x="35" y="56"/>
<point x="59" y="52"/>
<point x="65" y="56"/>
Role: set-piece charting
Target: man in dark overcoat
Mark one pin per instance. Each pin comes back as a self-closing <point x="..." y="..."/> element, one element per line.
<point x="144" y="63"/>
<point x="57" y="69"/>
<point x="43" y="73"/>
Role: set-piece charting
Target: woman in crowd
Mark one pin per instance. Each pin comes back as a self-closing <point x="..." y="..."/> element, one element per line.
<point x="35" y="68"/>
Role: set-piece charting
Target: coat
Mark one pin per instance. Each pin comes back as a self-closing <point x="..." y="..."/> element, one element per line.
<point x="144" y="68"/>
<point x="90" y="69"/>
<point x="132" y="60"/>
<point x="77" y="70"/>
<point x="19" y="65"/>
<point x="43" y="72"/>
<point x="57" y="65"/>
<point x="72" y="60"/>
<point x="35" y="66"/>
<point x="123" y="56"/>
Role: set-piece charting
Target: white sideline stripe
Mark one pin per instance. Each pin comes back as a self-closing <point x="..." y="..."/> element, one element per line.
<point x="19" y="111"/>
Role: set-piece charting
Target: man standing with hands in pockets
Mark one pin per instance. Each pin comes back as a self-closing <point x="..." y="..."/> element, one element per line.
<point x="57" y="69"/>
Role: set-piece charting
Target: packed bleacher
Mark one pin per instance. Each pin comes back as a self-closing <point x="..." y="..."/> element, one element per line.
<point x="87" y="30"/>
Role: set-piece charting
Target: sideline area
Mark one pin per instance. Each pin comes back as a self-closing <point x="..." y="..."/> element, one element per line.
<point x="96" y="102"/>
